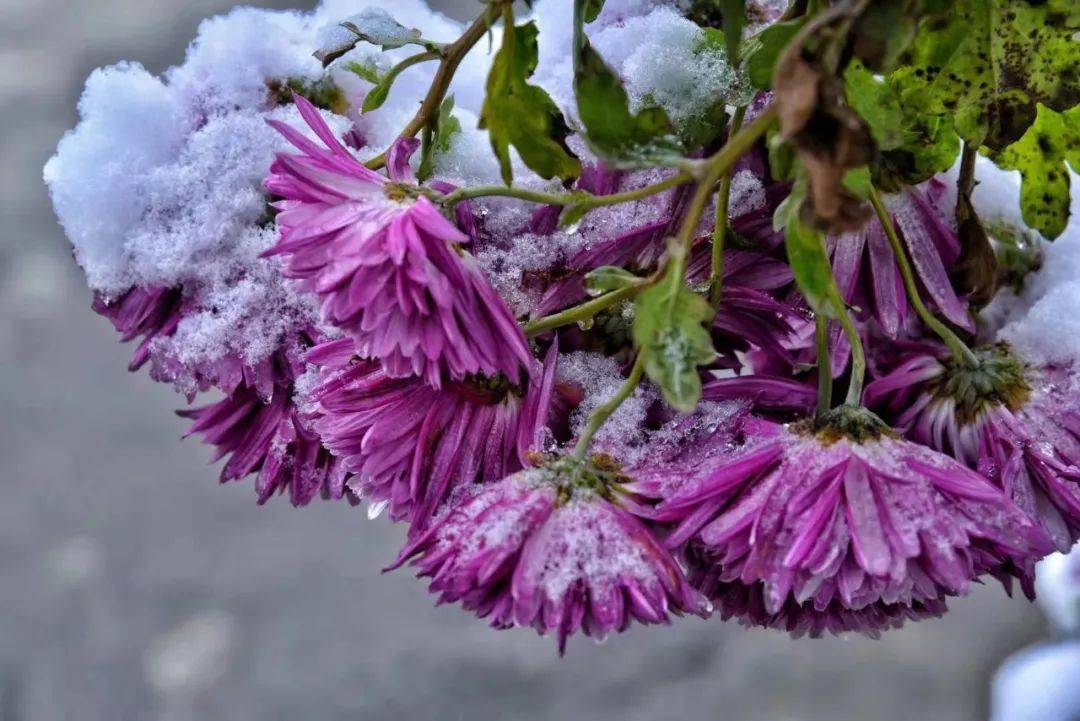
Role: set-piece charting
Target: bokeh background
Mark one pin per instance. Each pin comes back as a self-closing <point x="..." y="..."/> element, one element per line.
<point x="132" y="586"/>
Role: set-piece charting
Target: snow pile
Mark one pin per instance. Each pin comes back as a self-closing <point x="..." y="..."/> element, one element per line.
<point x="664" y="58"/>
<point x="160" y="184"/>
<point x="600" y="377"/>
<point x="1045" y="319"/>
<point x="1058" y="587"/>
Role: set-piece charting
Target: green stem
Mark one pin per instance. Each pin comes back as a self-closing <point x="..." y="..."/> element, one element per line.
<point x="723" y="201"/>
<point x="579" y="34"/>
<point x="408" y="62"/>
<point x="956" y="346"/>
<point x="858" y="359"/>
<point x="575" y="198"/>
<point x="581" y="312"/>
<point x="452" y="55"/>
<point x="714" y="167"/>
<point x="603" y="412"/>
<point x="708" y="172"/>
<point x="824" y="364"/>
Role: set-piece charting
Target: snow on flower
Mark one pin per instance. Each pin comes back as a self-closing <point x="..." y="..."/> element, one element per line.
<point x="551" y="548"/>
<point x="1015" y="422"/>
<point x="419" y="334"/>
<point x="843" y="513"/>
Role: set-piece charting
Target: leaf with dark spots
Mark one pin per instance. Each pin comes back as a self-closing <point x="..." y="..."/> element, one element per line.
<point x="1043" y="156"/>
<point x="988" y="63"/>
<point x="912" y="146"/>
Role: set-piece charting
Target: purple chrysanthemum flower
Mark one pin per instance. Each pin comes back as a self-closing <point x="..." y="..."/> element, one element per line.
<point x="866" y="269"/>
<point x="552" y="548"/>
<point x="746" y="604"/>
<point x="154" y="314"/>
<point x="410" y="445"/>
<point x="1014" y="422"/>
<point x="261" y="431"/>
<point x="839" y="511"/>
<point x="146" y="313"/>
<point x="869" y="278"/>
<point x="752" y="313"/>
<point x="385" y="265"/>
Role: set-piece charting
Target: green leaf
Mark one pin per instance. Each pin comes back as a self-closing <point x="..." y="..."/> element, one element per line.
<point x="810" y="264"/>
<point x="366" y="70"/>
<point x="611" y="130"/>
<point x="877" y="103"/>
<point x="781" y="156"/>
<point x="930" y="146"/>
<point x="988" y="63"/>
<point x="609" y="277"/>
<point x="572" y="214"/>
<point x="377" y="95"/>
<point x="592" y="9"/>
<point x="858" y="181"/>
<point x="912" y="145"/>
<point x="668" y="329"/>
<point x="1041" y="156"/>
<point x="523" y="115"/>
<point x="445" y="128"/>
<point x="883" y="32"/>
<point x="734" y="20"/>
<point x="761" y="51"/>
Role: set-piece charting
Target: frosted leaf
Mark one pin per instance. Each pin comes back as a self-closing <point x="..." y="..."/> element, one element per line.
<point x="373" y="25"/>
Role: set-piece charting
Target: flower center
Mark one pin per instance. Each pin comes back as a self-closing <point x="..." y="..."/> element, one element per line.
<point x="997" y="379"/>
<point x="853" y="423"/>
<point x="397" y="192"/>
<point x="597" y="475"/>
<point x="486" y="389"/>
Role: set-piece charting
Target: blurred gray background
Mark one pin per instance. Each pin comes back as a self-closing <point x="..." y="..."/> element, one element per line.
<point x="132" y="586"/>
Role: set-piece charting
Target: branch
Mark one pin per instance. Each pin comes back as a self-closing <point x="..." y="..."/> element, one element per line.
<point x="453" y="54"/>
<point x="581" y="312"/>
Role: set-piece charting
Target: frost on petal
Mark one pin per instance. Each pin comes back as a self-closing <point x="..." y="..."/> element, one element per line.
<point x="806" y="519"/>
<point x="1020" y="431"/>
<point x="532" y="551"/>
